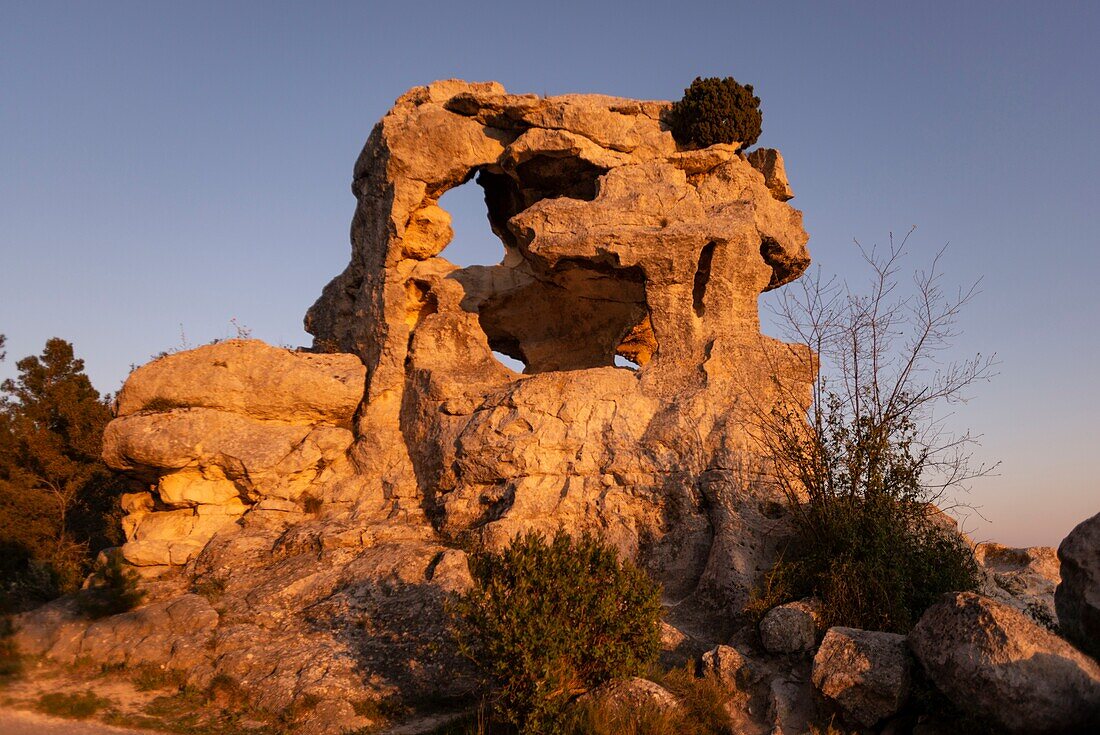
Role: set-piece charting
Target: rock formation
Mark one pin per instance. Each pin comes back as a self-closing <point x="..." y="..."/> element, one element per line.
<point x="315" y="504"/>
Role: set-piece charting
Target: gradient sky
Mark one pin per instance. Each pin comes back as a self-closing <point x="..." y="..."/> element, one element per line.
<point x="167" y="164"/>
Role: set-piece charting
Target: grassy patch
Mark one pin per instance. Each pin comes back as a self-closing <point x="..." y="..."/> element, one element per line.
<point x="71" y="705"/>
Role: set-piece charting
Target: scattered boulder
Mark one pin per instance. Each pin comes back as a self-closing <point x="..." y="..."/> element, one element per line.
<point x="866" y="672"/>
<point x="994" y="662"/>
<point x="1077" y="598"/>
<point x="792" y="627"/>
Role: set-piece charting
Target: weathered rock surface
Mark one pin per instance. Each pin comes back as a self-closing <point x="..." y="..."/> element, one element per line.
<point x="319" y="501"/>
<point x="250" y="378"/>
<point x="866" y="672"/>
<point x="993" y="661"/>
<point x="791" y="628"/>
<point x="1024" y="578"/>
<point x="1078" y="596"/>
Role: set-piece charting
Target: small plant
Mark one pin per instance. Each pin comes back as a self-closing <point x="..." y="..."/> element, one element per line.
<point x="212" y="588"/>
<point x="114" y="590"/>
<point x="715" y="110"/>
<point x="159" y="404"/>
<point x="547" y="620"/>
<point x="71" y="705"/>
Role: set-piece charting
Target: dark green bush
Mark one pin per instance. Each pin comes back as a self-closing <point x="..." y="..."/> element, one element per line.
<point x="867" y="543"/>
<point x="113" y="590"/>
<point x="549" y="619"/>
<point x="715" y="110"/>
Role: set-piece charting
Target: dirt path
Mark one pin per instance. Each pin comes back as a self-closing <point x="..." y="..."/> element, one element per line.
<point x="18" y="722"/>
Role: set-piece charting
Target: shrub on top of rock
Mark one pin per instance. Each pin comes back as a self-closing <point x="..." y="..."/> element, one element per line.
<point x="548" y="619"/>
<point x="715" y="110"/>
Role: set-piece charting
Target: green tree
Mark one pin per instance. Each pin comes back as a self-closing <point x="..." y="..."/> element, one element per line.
<point x="715" y="110"/>
<point x="58" y="501"/>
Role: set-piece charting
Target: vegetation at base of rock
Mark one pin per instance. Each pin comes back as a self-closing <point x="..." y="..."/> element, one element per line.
<point x="863" y="476"/>
<point x="113" y="590"/>
<point x="548" y="619"/>
<point x="11" y="662"/>
<point x="58" y="501"/>
<point x="72" y="705"/>
<point x="715" y="110"/>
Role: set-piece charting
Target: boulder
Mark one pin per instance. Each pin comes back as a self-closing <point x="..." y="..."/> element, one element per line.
<point x="866" y="672"/>
<point x="733" y="668"/>
<point x="250" y="378"/>
<point x="1077" y="598"/>
<point x="791" y="627"/>
<point x="319" y="509"/>
<point x="994" y="662"/>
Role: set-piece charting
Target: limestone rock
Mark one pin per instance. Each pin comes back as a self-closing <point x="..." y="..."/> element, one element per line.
<point x="1078" y="596"/>
<point x="995" y="662"/>
<point x="866" y="672"/>
<point x="769" y="162"/>
<point x="732" y="667"/>
<point x="250" y="378"/>
<point x="792" y="627"/>
<point x="1024" y="578"/>
<point x="640" y="251"/>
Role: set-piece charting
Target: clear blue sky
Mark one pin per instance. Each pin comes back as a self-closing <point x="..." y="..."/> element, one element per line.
<point x="188" y="163"/>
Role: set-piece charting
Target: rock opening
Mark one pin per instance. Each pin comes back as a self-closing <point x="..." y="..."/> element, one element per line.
<point x="702" y="278"/>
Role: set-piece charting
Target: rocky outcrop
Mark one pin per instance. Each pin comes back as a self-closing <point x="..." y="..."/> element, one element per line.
<point x="320" y="501"/>
<point x="1024" y="578"/>
<point x="1078" y="596"/>
<point x="640" y="251"/>
<point x="994" y="662"/>
<point x="219" y="430"/>
<point x="867" y="673"/>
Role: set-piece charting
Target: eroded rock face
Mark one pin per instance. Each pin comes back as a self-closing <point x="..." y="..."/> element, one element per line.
<point x="993" y="661"/>
<point x="617" y="243"/>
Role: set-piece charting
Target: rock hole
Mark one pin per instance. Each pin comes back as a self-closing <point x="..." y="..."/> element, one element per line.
<point x="622" y="362"/>
<point x="509" y="362"/>
<point x="702" y="277"/>
<point x="473" y="243"/>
